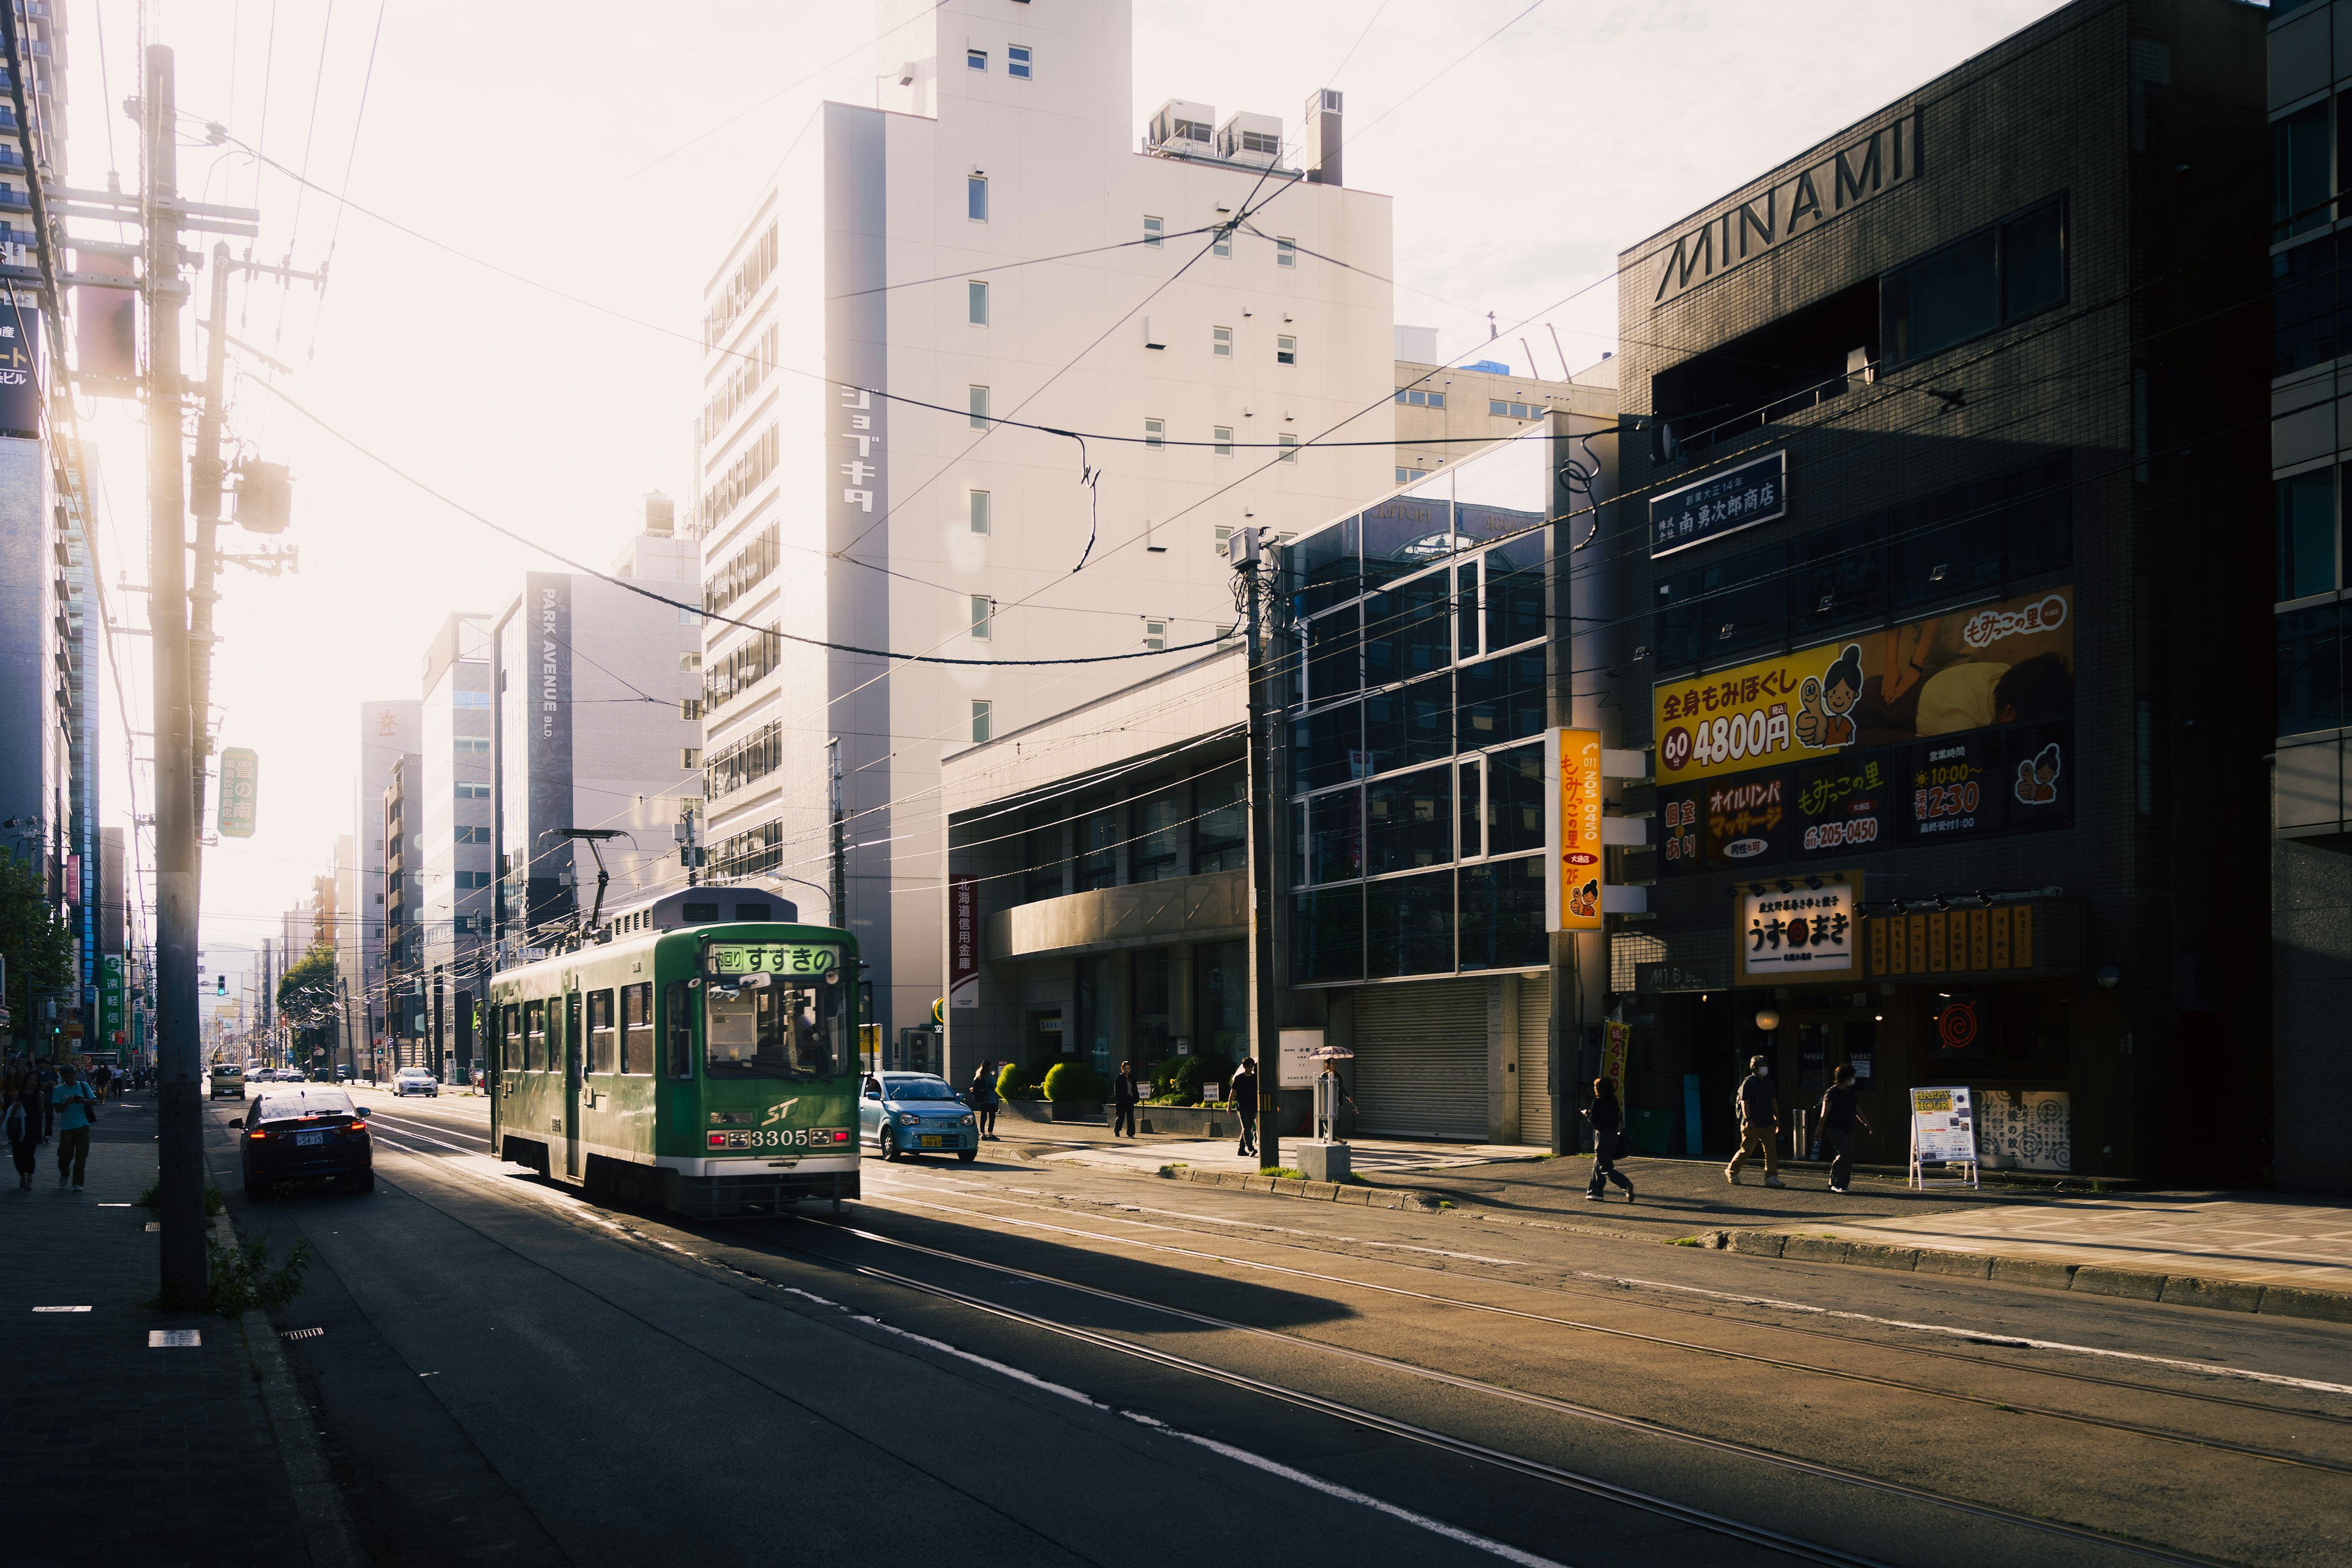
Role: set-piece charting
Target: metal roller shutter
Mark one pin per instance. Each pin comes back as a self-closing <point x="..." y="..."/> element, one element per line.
<point x="1535" y="1059"/>
<point x="1421" y="1059"/>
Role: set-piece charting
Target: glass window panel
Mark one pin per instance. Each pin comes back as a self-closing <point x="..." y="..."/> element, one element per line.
<point x="1326" y="748"/>
<point x="2302" y="305"/>
<point x="1335" y="836"/>
<point x="1326" y="936"/>
<point x="1409" y="725"/>
<point x="534" y="1036"/>
<point x="604" y="1038"/>
<point x="1929" y="564"/>
<point x="2310" y="670"/>
<point x="975" y="199"/>
<point x="1473" y="800"/>
<point x="2032" y="262"/>
<point x="1409" y="821"/>
<point x="1505" y="489"/>
<point x="2040" y="528"/>
<point x="1514" y="593"/>
<point x="2301" y="182"/>
<point x="2304" y="511"/>
<point x="1503" y="914"/>
<point x="1159" y="849"/>
<point x="1334" y="668"/>
<point x="1515" y="800"/>
<point x="1406" y="532"/>
<point x="1465" y="608"/>
<point x="1940" y="300"/>
<point x="976" y="303"/>
<point x="1410" y="922"/>
<point x="1043" y="862"/>
<point x="1098" y="850"/>
<point x="1220" y="983"/>
<point x="1220" y="825"/>
<point x="1407" y="630"/>
<point x="1325" y="567"/>
<point x="1499" y="700"/>
<point x="637" y="1027"/>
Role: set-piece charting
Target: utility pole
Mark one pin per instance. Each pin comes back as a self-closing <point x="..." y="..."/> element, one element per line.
<point x="1253" y="584"/>
<point x="839" y="890"/>
<point x="180" y="1207"/>
<point x="690" y="854"/>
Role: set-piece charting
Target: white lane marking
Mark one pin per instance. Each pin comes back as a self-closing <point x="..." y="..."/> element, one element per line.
<point x="406" y="1133"/>
<point x="2017" y="1341"/>
<point x="61" y="1308"/>
<point x="1239" y="1455"/>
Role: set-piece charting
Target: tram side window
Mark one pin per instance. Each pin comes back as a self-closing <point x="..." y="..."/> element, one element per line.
<point x="534" y="1037"/>
<point x="510" y="1027"/>
<point x="677" y="1002"/>
<point x="604" y="1037"/>
<point x="637" y="1027"/>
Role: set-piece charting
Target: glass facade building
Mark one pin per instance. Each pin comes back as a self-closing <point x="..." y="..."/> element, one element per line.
<point x="1416" y="689"/>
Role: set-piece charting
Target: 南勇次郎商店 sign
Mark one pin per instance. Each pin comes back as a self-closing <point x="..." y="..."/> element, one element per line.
<point x="1797" y="929"/>
<point x="1572" y="821"/>
<point x="240" y="783"/>
<point x="1738" y="497"/>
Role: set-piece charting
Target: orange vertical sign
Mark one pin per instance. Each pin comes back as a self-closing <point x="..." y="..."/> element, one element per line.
<point x="1573" y="900"/>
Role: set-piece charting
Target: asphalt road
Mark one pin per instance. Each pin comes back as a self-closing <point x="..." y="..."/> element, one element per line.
<point x="1015" y="1363"/>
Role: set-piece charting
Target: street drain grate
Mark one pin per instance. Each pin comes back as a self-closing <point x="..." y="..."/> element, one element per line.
<point x="299" y="1333"/>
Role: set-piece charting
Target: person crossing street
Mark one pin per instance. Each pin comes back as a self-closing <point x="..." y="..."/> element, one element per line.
<point x="1838" y="1114"/>
<point x="1123" y="1097"/>
<point x="1759" y="1124"/>
<point x="1243" y="1095"/>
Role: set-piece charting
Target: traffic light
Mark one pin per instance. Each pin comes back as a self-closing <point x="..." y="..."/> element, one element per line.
<point x="220" y="985"/>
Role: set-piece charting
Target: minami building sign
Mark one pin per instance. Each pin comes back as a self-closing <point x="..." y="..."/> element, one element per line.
<point x="1872" y="164"/>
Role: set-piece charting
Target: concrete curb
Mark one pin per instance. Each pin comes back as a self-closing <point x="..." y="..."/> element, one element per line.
<point x="1345" y="1195"/>
<point x="2043" y="1274"/>
<point x="321" y="1513"/>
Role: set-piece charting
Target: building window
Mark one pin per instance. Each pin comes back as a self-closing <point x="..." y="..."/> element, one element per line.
<point x="2305" y="508"/>
<point x="1417" y="398"/>
<point x="975" y="198"/>
<point x="472" y="791"/>
<point x="1224" y="244"/>
<point x="1500" y="409"/>
<point x="975" y="59"/>
<point x="1018" y="61"/>
<point x="983" y="617"/>
<point x="1289" y="445"/>
<point x="690" y="756"/>
<point x="1221" y="342"/>
<point x="980" y="720"/>
<point x="979" y="408"/>
<point x="1224" y="445"/>
<point x="1155" y="636"/>
<point x="1999" y="275"/>
<point x="1155" y="432"/>
<point x="1285" y="350"/>
<point x="1406" y="475"/>
<point x="1285" y="253"/>
<point x="980" y="519"/>
<point x="2300" y="181"/>
<point x="976" y="303"/>
<point x="686" y="618"/>
<point x="1154" y="231"/>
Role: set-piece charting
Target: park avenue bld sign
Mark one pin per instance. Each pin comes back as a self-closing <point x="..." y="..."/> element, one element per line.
<point x="1872" y="164"/>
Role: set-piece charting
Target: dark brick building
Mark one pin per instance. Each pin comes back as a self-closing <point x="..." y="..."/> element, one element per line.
<point x="1940" y="594"/>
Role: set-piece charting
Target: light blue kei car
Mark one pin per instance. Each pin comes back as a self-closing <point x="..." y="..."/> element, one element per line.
<point x="916" y="1114"/>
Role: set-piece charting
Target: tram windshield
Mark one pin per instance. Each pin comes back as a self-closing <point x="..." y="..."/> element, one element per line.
<point x="779" y="1029"/>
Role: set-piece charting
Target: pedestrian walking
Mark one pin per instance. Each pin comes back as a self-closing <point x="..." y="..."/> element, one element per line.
<point x="22" y="1122"/>
<point x="984" y="1098"/>
<point x="1841" y="1109"/>
<point x="1123" y="1097"/>
<point x="1242" y="1094"/>
<point x="1759" y="1124"/>
<point x="76" y="1107"/>
<point x="101" y="1080"/>
<point x="1608" y="1119"/>
<point x="45" y="1078"/>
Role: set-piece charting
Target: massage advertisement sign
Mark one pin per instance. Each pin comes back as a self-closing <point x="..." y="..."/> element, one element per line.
<point x="1956" y="727"/>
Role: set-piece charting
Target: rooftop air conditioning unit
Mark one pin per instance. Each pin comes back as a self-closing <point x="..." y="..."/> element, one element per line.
<point x="1182" y="128"/>
<point x="1251" y="139"/>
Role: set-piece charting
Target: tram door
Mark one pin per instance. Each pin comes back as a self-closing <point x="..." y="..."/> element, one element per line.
<point x="572" y="1081"/>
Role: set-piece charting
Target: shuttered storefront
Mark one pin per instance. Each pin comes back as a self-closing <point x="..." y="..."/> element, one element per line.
<point x="1421" y="1059"/>
<point x="1535" y="1059"/>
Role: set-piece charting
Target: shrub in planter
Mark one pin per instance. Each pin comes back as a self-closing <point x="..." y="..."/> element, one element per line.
<point x="1194" y="1073"/>
<point x="1075" y="1083"/>
<point x="1015" y="1081"/>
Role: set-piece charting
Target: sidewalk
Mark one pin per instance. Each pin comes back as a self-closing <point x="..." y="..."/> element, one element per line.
<point x="151" y="1455"/>
<point x="1084" y="1143"/>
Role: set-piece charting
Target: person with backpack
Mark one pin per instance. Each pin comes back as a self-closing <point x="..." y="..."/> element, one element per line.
<point x="76" y="1107"/>
<point x="22" y="1120"/>
<point x="982" y="1097"/>
<point x="1759" y="1124"/>
<point x="1242" y="1094"/>
<point x="1608" y="1119"/>
<point x="1840" y="1112"/>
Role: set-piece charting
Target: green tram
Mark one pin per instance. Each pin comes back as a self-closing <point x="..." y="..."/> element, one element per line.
<point x="674" y="1056"/>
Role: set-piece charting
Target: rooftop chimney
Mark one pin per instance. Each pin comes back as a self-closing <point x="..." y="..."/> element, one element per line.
<point x="1323" y="136"/>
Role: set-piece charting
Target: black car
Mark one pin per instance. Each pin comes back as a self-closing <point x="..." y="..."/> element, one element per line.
<point x="301" y="1132"/>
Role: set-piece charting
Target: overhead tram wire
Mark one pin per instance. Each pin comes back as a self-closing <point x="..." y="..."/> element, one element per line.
<point x="351" y="161"/>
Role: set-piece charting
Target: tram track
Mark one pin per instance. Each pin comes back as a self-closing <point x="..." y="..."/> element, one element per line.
<point x="2108" y="1540"/>
<point x="1516" y="1282"/>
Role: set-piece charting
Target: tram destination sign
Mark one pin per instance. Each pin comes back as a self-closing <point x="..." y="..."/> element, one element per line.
<point x="772" y="958"/>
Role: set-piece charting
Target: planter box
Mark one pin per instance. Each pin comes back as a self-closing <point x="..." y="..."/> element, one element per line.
<point x="1025" y="1109"/>
<point x="1187" y="1121"/>
<point x="1078" y="1110"/>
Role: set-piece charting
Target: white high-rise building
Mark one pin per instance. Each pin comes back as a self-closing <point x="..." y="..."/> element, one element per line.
<point x="388" y="731"/>
<point x="887" y="302"/>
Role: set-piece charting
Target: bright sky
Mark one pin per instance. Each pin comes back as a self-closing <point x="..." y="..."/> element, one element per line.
<point x="608" y="151"/>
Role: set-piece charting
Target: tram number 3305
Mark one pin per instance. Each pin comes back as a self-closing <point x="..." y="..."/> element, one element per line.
<point x="781" y="1138"/>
